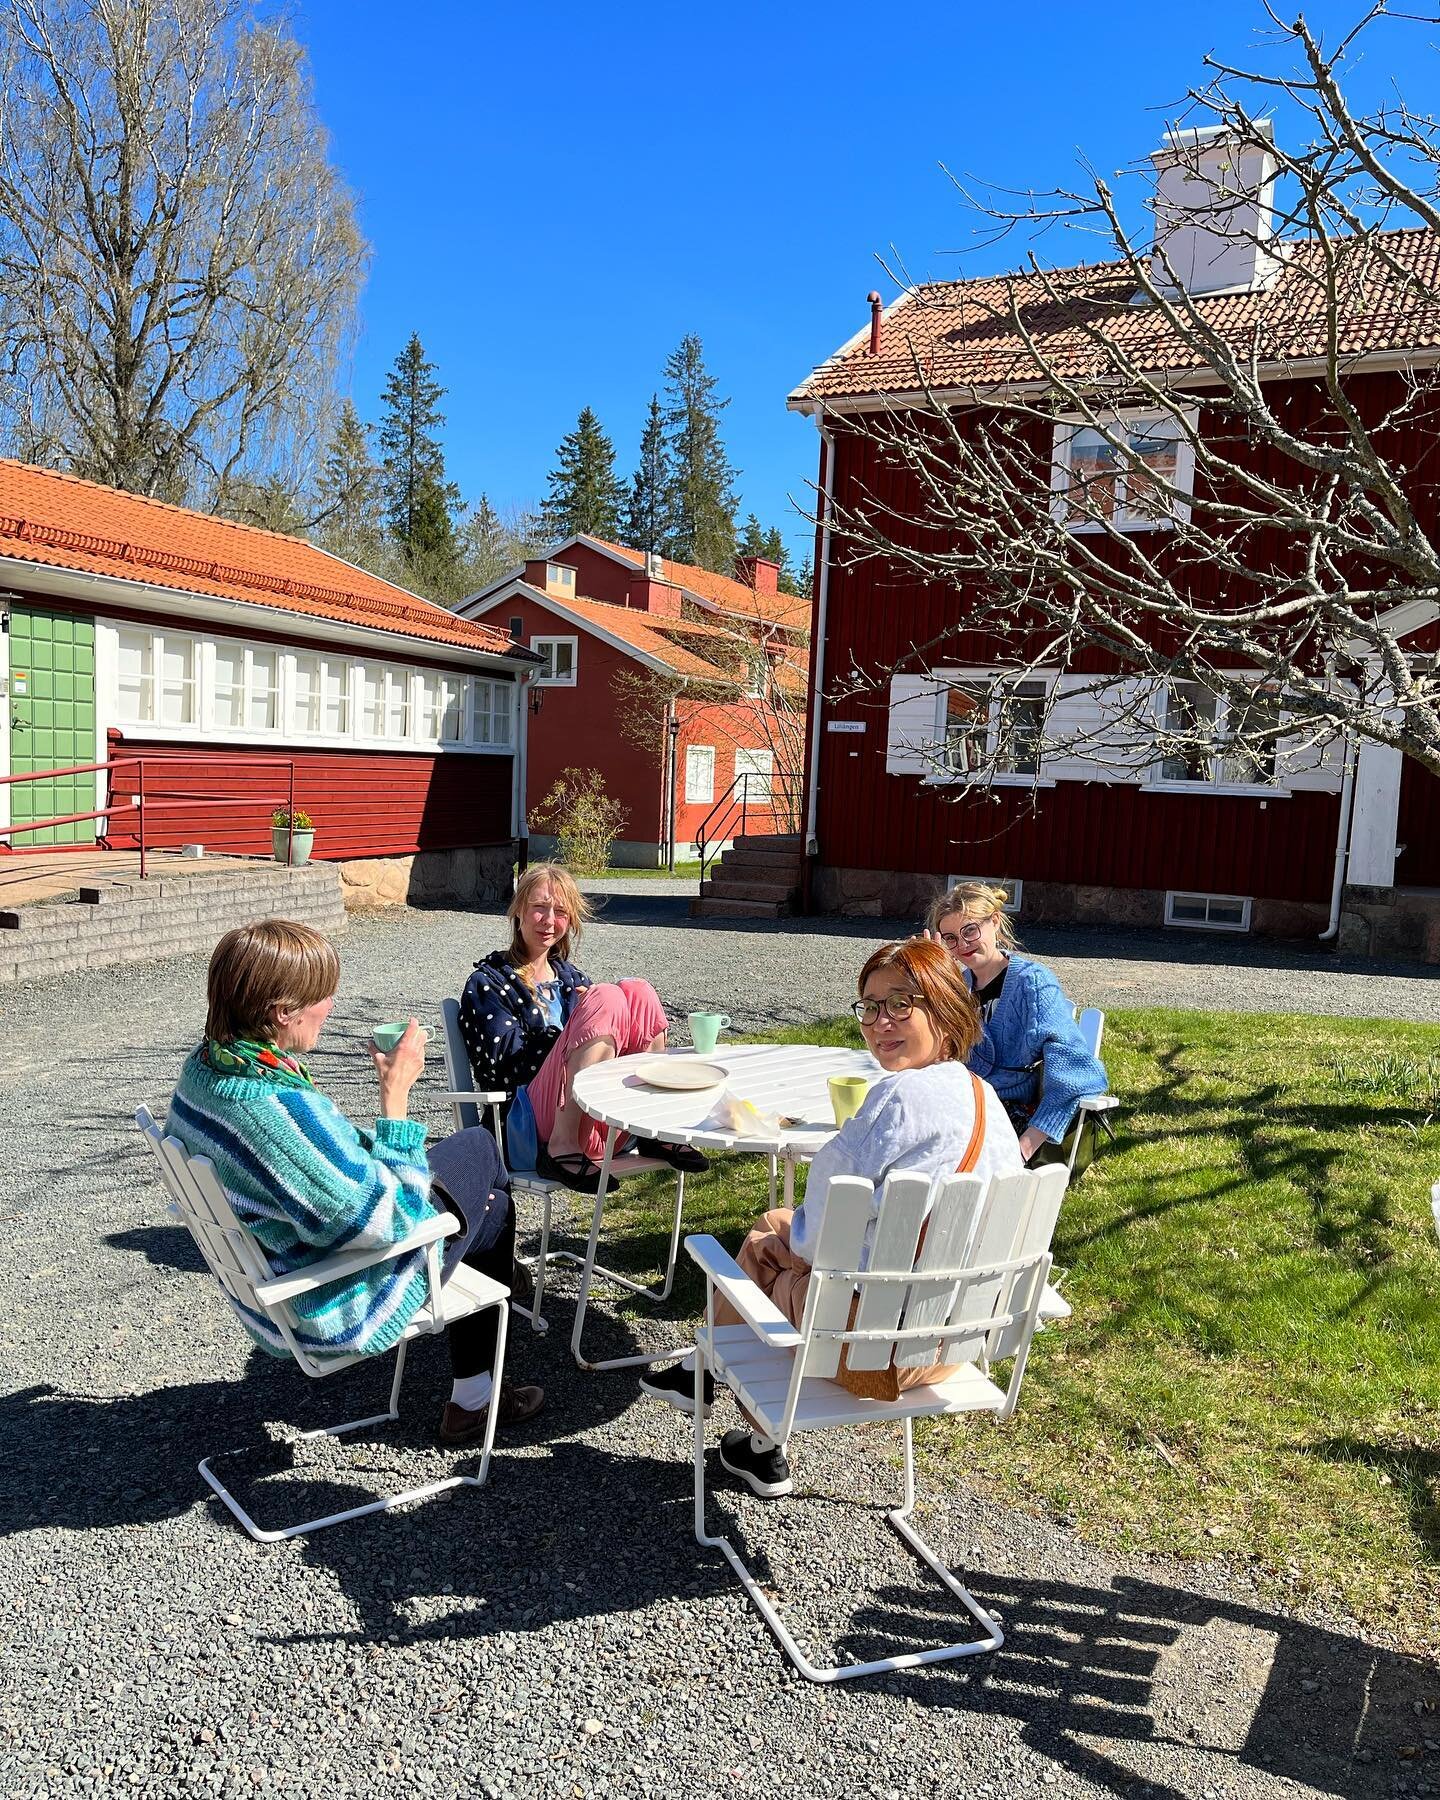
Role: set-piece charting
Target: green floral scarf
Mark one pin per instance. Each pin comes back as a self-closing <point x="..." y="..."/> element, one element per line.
<point x="260" y="1061"/>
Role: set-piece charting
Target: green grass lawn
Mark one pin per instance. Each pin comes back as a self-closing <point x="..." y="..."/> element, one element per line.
<point x="1253" y="1368"/>
<point x="683" y="871"/>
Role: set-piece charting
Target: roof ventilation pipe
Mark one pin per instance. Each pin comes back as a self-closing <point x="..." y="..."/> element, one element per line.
<point x="877" y="307"/>
<point x="1215" y="209"/>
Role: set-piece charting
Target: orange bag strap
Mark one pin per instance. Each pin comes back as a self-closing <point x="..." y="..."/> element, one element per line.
<point x="977" y="1135"/>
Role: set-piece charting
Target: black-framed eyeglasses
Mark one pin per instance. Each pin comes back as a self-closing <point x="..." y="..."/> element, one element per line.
<point x="967" y="934"/>
<point x="896" y="1006"/>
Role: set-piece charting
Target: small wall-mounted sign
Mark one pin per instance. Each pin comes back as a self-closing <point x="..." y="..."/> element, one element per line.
<point x="19" y="682"/>
<point x="844" y="724"/>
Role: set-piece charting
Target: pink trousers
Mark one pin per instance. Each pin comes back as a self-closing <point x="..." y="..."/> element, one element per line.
<point x="627" y="1012"/>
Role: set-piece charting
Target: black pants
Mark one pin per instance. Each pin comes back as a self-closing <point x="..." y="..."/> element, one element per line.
<point x="472" y="1339"/>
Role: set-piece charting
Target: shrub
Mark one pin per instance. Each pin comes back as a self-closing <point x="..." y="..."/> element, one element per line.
<point x="582" y="818"/>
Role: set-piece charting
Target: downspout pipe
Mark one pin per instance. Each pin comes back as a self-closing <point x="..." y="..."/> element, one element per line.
<point x="1342" y="841"/>
<point x="817" y="686"/>
<point x="519" y="811"/>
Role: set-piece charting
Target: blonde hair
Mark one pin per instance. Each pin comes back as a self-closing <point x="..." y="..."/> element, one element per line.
<point x="562" y="885"/>
<point x="975" y="900"/>
<point x="259" y="970"/>
<point x="933" y="974"/>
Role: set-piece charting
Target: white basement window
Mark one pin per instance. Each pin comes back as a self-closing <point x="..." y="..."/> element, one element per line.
<point x="1208" y="912"/>
<point x="1013" y="887"/>
<point x="1131" y="472"/>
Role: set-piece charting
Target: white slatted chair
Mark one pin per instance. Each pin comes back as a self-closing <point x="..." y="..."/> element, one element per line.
<point x="237" y="1261"/>
<point x="1435" y="1206"/>
<point x="1097" y="1106"/>
<point x="468" y="1104"/>
<point x="971" y="1298"/>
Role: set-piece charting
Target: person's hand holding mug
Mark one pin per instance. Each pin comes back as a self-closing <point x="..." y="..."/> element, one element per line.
<point x="398" y="1070"/>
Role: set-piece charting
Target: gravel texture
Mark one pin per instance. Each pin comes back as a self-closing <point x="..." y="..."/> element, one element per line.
<point x="560" y="1633"/>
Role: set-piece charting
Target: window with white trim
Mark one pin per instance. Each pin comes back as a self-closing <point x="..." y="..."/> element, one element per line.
<point x="494" y="713"/>
<point x="1208" y="912"/>
<point x="1131" y="472"/>
<point x="699" y="774"/>
<point x="1232" y="743"/>
<point x="155" y="678"/>
<point x="753" y="772"/>
<point x="993" y="723"/>
<point x="561" y="657"/>
<point x="559" y="579"/>
<point x="1015" y="889"/>
<point x="321" y="696"/>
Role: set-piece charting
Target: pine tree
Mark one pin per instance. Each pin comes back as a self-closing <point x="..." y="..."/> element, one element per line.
<point x="584" y="493"/>
<point x="420" y="504"/>
<point x="756" y="540"/>
<point x="701" y="482"/>
<point x="485" y="545"/>
<point x="647" y="512"/>
<point x="803" y="581"/>
<point x="347" y="516"/>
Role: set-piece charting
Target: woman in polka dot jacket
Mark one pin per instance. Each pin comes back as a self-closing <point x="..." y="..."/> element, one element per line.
<point x="530" y="1019"/>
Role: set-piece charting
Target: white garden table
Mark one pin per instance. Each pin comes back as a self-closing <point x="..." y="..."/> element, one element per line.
<point x="788" y="1080"/>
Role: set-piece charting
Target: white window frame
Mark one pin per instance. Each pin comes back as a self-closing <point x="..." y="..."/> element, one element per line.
<point x="1012" y="885"/>
<point x="542" y="646"/>
<point x="1159" y="782"/>
<point x="1068" y="428"/>
<point x="691" y="797"/>
<point x="768" y="772"/>
<point x="992" y="680"/>
<point x="1243" y="901"/>
<point x="153" y="678"/>
<point x="562" y="576"/>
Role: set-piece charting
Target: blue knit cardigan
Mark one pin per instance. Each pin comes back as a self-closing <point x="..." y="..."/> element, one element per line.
<point x="306" y="1183"/>
<point x="1032" y="1023"/>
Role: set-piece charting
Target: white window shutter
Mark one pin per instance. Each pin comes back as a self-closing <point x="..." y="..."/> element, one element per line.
<point x="910" y="746"/>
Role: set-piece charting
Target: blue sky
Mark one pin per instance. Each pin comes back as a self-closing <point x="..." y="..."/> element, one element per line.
<point x="555" y="194"/>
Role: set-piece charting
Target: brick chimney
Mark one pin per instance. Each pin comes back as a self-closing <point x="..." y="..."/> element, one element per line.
<point x="646" y="594"/>
<point x="758" y="572"/>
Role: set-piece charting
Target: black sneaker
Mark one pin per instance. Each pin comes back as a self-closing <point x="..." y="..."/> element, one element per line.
<point x="676" y="1387"/>
<point x="684" y="1157"/>
<point x="764" y="1472"/>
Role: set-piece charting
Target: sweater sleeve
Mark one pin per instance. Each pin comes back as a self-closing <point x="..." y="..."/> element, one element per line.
<point x="1071" y="1071"/>
<point x="338" y="1187"/>
<point x="493" y="1029"/>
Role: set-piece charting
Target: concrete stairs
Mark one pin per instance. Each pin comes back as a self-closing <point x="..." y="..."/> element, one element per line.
<point x="756" y="878"/>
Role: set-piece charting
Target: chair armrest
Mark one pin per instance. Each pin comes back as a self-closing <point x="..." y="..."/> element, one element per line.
<point x="1097" y="1103"/>
<point x="476" y="1097"/>
<point x="351" y="1262"/>
<point x="758" y="1310"/>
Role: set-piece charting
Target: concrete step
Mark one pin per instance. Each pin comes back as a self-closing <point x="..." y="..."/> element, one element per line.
<point x="780" y="860"/>
<point x="728" y="889"/>
<point x="768" y="840"/>
<point x="735" y="909"/>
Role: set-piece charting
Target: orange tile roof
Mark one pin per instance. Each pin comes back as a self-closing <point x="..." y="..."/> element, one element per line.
<point x="963" y="334"/>
<point x="646" y="633"/>
<point x="66" y="523"/>
<point x="789" y="611"/>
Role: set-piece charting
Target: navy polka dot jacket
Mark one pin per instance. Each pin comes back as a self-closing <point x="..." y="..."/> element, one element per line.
<point x="507" y="1035"/>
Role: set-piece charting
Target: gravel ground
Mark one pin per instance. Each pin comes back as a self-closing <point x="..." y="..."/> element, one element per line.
<point x="560" y="1633"/>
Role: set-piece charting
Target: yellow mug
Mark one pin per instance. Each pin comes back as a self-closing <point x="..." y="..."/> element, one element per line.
<point x="847" y="1095"/>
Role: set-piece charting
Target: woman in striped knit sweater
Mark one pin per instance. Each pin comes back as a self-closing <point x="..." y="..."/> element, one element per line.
<point x="306" y="1182"/>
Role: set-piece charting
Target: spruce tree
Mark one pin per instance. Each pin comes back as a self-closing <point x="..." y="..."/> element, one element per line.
<point x="701" y="486"/>
<point x="584" y="494"/>
<point x="347" y="516"/>
<point x="802" y="583"/>
<point x="420" y="504"/>
<point x="647" y="512"/>
<point x="486" y="545"/>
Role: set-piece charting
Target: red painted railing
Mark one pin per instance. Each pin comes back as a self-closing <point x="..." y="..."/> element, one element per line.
<point x="144" y="802"/>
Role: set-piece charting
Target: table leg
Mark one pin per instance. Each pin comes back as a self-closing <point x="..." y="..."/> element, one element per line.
<point x="789" y="1180"/>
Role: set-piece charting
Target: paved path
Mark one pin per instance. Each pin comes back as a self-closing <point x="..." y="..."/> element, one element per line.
<point x="559" y="1634"/>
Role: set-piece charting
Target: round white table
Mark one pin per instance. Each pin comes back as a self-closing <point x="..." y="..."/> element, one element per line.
<point x="786" y="1080"/>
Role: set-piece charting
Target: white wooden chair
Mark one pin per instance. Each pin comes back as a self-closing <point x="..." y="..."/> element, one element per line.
<point x="237" y="1261"/>
<point x="1096" y="1106"/>
<point x="971" y="1298"/>
<point x="468" y="1104"/>
<point x="1435" y="1206"/>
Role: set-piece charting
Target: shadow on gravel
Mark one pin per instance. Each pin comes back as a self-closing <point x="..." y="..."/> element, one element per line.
<point x="1089" y="1668"/>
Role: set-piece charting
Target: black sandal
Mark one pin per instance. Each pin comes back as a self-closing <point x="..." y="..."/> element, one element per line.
<point x="684" y="1157"/>
<point x="574" y="1171"/>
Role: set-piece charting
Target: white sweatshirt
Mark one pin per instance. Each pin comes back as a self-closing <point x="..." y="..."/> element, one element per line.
<point x="918" y="1119"/>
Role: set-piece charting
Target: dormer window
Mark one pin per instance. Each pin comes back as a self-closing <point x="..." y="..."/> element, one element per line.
<point x="560" y="581"/>
<point x="1130" y="472"/>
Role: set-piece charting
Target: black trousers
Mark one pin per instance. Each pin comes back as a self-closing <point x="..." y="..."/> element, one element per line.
<point x="472" y="1340"/>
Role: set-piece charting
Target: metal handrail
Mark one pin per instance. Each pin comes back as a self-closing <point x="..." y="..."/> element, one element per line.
<point x="729" y="805"/>
<point x="142" y="804"/>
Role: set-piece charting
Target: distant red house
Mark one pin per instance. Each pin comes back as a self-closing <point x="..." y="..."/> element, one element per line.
<point x="631" y="643"/>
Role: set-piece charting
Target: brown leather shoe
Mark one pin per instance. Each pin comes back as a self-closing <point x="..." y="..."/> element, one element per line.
<point x="518" y="1405"/>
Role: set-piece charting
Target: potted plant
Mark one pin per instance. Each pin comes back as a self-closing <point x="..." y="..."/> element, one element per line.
<point x="292" y="835"/>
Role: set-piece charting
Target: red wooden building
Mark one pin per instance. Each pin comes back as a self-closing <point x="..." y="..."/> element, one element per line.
<point x="684" y="688"/>
<point x="1280" y="848"/>
<point x="133" y="627"/>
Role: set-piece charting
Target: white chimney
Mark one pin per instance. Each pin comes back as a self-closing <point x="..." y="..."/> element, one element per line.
<point x="1215" y="210"/>
<point x="655" y="566"/>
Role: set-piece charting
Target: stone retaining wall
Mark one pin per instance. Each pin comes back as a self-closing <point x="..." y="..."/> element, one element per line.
<point x="143" y="921"/>
<point x="483" y="876"/>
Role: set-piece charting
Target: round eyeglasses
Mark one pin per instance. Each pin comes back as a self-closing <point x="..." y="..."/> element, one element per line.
<point x="895" y="1006"/>
<point x="967" y="934"/>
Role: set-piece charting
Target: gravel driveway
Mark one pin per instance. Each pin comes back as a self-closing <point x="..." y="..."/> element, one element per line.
<point x="559" y="1633"/>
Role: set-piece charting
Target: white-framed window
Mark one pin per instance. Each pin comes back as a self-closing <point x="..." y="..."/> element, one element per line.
<point x="262" y="688"/>
<point x="753" y="772"/>
<point x="321" y="696"/>
<point x="155" y="678"/>
<point x="992" y="722"/>
<point x="135" y="662"/>
<point x="1233" y="743"/>
<point x="1013" y="887"/>
<point x="1131" y="471"/>
<point x="561" y="660"/>
<point x="1208" y="912"/>
<point x="559" y="579"/>
<point x="494" y="703"/>
<point x="699" y="774"/>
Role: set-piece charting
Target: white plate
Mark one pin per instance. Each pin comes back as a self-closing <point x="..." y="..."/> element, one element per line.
<point x="680" y="1072"/>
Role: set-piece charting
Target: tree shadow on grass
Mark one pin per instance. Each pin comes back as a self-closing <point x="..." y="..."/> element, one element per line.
<point x="1414" y="1473"/>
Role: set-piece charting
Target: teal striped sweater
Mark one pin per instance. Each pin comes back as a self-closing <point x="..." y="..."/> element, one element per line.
<point x="307" y="1183"/>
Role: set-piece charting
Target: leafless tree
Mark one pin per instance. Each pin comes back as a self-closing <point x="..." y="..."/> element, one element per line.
<point x="1286" y="548"/>
<point x="179" y="262"/>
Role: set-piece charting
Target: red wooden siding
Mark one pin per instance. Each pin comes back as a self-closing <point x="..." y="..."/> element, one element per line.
<point x="1418" y="828"/>
<point x="364" y="803"/>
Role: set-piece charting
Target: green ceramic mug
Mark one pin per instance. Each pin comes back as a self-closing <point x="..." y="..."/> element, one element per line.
<point x="386" y="1037"/>
<point x="847" y="1095"/>
<point x="705" y="1028"/>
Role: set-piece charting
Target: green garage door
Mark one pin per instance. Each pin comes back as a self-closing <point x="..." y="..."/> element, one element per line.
<point x="52" y="722"/>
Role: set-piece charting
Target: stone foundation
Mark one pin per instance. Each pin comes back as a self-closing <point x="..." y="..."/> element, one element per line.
<point x="470" y="877"/>
<point x="1396" y="922"/>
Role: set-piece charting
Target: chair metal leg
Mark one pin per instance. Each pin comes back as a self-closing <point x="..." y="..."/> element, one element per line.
<point x="590" y="1267"/>
<point x="538" y="1263"/>
<point x="899" y="1518"/>
<point x="391" y="1501"/>
<point x="774" y="1174"/>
